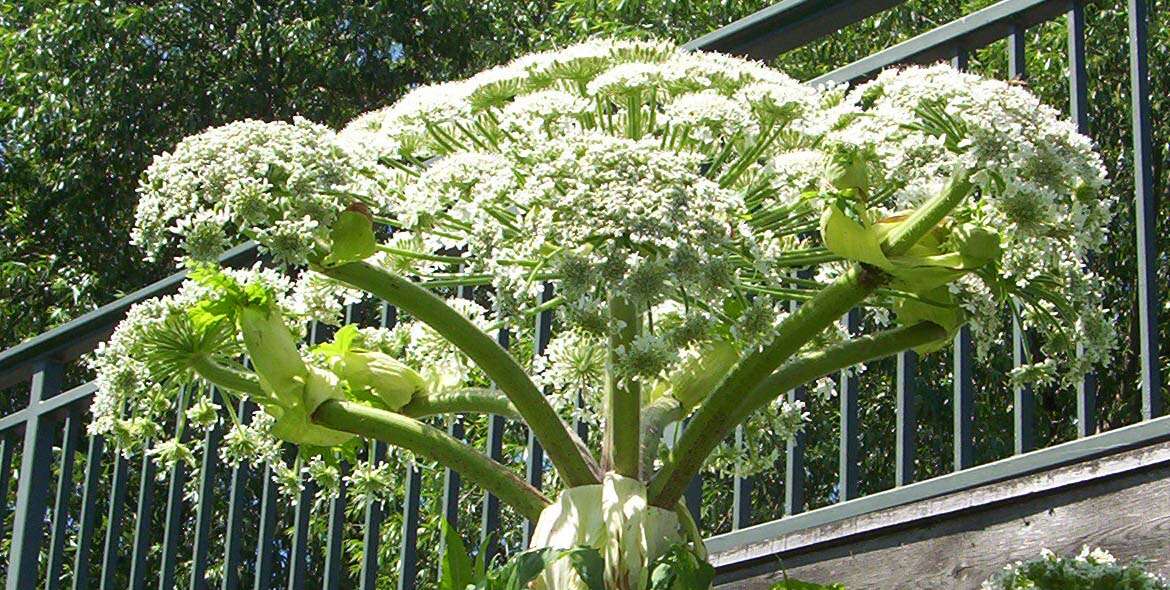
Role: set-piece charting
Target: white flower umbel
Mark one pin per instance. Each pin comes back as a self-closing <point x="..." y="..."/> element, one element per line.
<point x="280" y="183"/>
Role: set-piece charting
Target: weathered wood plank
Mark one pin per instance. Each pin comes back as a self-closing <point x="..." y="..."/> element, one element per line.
<point x="1120" y="502"/>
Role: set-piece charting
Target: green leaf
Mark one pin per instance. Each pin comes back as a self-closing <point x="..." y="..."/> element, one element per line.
<point x="590" y="566"/>
<point x="680" y="569"/>
<point x="455" y="570"/>
<point x="944" y="313"/>
<point x="352" y="237"/>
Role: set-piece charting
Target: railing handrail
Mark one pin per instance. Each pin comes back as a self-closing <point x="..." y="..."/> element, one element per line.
<point x="786" y="25"/>
<point x="968" y="33"/>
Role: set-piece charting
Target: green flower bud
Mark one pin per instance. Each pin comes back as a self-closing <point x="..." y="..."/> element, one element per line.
<point x="273" y="352"/>
<point x="390" y="380"/>
<point x="977" y="244"/>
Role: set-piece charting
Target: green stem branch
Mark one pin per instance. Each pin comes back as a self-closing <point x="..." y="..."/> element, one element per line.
<point x="715" y="418"/>
<point x="811" y="366"/>
<point x="564" y="449"/>
<point x="717" y="411"/>
<point x="225" y="377"/>
<point x="624" y="406"/>
<point x="472" y="400"/>
<point x="434" y="444"/>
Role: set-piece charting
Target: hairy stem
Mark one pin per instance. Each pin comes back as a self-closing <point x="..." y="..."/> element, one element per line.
<point x="927" y="215"/>
<point x="803" y="369"/>
<point x="472" y="400"/>
<point x="800" y="327"/>
<point x="624" y="403"/>
<point x="225" y="377"/>
<point x="716" y="414"/>
<point x="564" y="449"/>
<point x="432" y="443"/>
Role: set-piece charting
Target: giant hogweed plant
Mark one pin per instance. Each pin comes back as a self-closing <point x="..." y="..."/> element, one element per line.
<point x="697" y="224"/>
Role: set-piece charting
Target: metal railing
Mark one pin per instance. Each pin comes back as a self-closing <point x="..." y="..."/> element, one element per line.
<point x="69" y="527"/>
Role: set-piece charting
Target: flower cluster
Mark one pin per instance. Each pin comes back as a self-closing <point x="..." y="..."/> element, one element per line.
<point x="281" y="184"/>
<point x="152" y="392"/>
<point x="1037" y="183"/>
<point x="1095" y="568"/>
<point x="664" y="205"/>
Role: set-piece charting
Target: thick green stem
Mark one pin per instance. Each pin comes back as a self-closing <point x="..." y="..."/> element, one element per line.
<point x="800" y="327"/>
<point x="814" y="365"/>
<point x="624" y="403"/>
<point x="715" y="416"/>
<point x="432" y="443"/>
<point x="927" y="215"/>
<point x="564" y="449"/>
<point x="798" y="371"/>
<point x="472" y="400"/>
<point x="228" y="378"/>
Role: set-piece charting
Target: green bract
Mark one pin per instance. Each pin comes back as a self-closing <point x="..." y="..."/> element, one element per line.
<point x="615" y="518"/>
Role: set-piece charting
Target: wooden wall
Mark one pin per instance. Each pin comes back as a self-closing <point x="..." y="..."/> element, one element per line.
<point x="1120" y="502"/>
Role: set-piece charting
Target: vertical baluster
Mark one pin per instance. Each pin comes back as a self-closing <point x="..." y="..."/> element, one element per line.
<point x="87" y="519"/>
<point x="266" y="532"/>
<point x="693" y="497"/>
<point x="237" y="487"/>
<point x="794" y="476"/>
<point x="371" y="528"/>
<point x="114" y="519"/>
<point x="65" y="490"/>
<point x="905" y="445"/>
<point x="490" y="523"/>
<point x="141" y="548"/>
<point x="333" y="573"/>
<point x="28" y="525"/>
<point x="408" y="551"/>
<point x="1024" y="408"/>
<point x="451" y="480"/>
<point x="298" y="564"/>
<point x="205" y="507"/>
<point x="299" y="550"/>
<point x="408" y="558"/>
<point x="963" y="396"/>
<point x="173" y="522"/>
<point x="1146" y="208"/>
<point x="1079" y="112"/>
<point x="7" y="441"/>
<point x="535" y="455"/>
<point x="963" y="400"/>
<point x="1024" y="403"/>
<point x="741" y="515"/>
<point x="960" y="59"/>
<point x="850" y="427"/>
